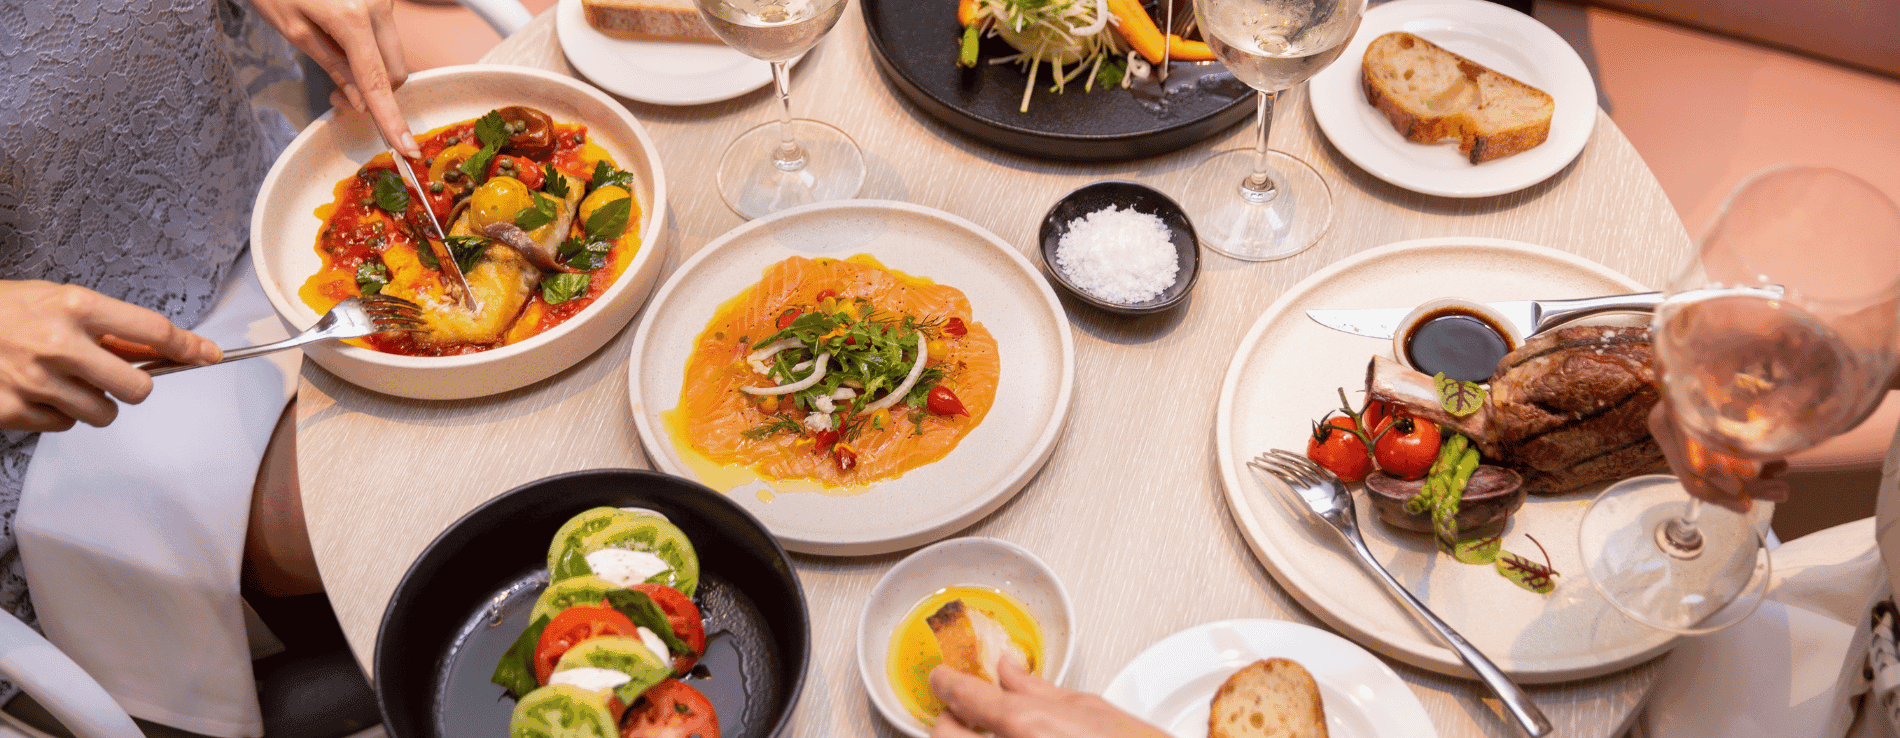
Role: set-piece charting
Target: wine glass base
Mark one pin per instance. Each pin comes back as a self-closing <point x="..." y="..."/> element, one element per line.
<point x="1630" y="562"/>
<point x="754" y="184"/>
<point x="1245" y="226"/>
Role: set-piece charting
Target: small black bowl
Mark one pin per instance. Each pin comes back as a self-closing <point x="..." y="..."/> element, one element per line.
<point x="1142" y="198"/>
<point x="466" y="599"/>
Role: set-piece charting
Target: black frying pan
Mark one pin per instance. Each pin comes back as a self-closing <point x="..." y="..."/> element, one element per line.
<point x="466" y="599"/>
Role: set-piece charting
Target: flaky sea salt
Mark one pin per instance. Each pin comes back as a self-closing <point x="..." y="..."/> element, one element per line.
<point x="1118" y="255"/>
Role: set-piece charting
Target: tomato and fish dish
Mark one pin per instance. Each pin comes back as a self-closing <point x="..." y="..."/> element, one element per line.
<point x="540" y="221"/>
<point x="840" y="372"/>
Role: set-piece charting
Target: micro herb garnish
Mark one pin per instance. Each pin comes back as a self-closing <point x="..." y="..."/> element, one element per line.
<point x="371" y="276"/>
<point x="871" y="354"/>
<point x="605" y="174"/>
<point x="556" y="184"/>
<point x="561" y="287"/>
<point x="542" y="212"/>
<point x="493" y="132"/>
<point x="1539" y="578"/>
<point x="390" y="193"/>
<point x="1459" y="398"/>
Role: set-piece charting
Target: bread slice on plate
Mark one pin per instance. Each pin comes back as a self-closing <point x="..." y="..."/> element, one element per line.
<point x="972" y="642"/>
<point x="1273" y="698"/>
<point x="648" y="20"/>
<point x="1430" y="94"/>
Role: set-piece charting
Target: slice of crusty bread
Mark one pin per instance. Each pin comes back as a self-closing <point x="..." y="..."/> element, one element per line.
<point x="972" y="642"/>
<point x="648" y="20"/>
<point x="1274" y="698"/>
<point x="1430" y="94"/>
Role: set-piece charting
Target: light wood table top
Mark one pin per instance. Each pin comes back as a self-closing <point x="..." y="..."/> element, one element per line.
<point x="382" y="476"/>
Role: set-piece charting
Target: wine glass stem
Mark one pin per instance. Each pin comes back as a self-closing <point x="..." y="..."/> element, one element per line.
<point x="1679" y="536"/>
<point x="789" y="156"/>
<point x="1258" y="187"/>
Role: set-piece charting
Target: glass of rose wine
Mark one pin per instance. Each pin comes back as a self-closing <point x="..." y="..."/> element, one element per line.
<point x="1779" y="333"/>
<point x="792" y="161"/>
<point x="1268" y="204"/>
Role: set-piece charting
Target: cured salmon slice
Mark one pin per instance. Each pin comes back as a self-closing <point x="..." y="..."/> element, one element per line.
<point x="716" y="415"/>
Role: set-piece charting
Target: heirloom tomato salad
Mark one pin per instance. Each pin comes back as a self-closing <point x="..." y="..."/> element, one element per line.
<point x="612" y="635"/>
<point x="540" y="221"/>
<point x="841" y="372"/>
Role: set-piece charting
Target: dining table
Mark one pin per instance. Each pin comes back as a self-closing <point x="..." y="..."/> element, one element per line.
<point x="1129" y="508"/>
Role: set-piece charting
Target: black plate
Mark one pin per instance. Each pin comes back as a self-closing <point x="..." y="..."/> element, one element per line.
<point x="915" y="44"/>
<point x="467" y="597"/>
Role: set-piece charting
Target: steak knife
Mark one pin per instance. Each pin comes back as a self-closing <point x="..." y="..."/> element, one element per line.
<point x="1529" y="316"/>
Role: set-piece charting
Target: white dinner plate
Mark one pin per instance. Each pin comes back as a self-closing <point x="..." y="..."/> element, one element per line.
<point x="1490" y="34"/>
<point x="659" y="72"/>
<point x="1288" y="373"/>
<point x="1172" y="683"/>
<point x="927" y="503"/>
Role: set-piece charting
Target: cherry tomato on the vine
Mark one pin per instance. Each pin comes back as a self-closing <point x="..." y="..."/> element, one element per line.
<point x="1375" y="415"/>
<point x="1334" y="445"/>
<point x="1406" y="446"/>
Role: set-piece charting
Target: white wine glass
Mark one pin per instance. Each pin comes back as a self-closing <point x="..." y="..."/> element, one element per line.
<point x="1268" y="204"/>
<point x="789" y="162"/>
<point x="1778" y="334"/>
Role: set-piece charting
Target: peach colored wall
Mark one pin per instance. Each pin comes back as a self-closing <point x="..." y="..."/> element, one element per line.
<point x="442" y="34"/>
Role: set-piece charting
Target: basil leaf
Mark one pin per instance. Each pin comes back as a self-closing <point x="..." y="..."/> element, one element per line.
<point x="390" y="193"/>
<point x="559" y="288"/>
<point x="609" y="221"/>
<point x="467" y="250"/>
<point x="371" y="277"/>
<point x="541" y="213"/>
<point x="644" y="612"/>
<point x="584" y="254"/>
<point x="555" y="184"/>
<point x="515" y="672"/>
<point x="493" y="132"/>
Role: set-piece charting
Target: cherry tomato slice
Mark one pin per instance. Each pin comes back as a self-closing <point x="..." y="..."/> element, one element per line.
<point x="522" y="169"/>
<point x="671" y="709"/>
<point x="846" y="456"/>
<point x="573" y="625"/>
<point x="785" y="318"/>
<point x="942" y="401"/>
<point x="683" y="617"/>
<point x="823" y="440"/>
<point x="1407" y="447"/>
<point x="1333" y="445"/>
<point x="822" y="294"/>
<point x="955" y="327"/>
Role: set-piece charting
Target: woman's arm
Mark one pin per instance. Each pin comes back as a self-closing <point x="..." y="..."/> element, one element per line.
<point x="53" y="369"/>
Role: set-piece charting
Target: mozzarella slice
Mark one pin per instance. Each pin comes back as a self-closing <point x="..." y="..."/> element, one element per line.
<point x="625" y="568"/>
<point x="654" y="644"/>
<point x="592" y="678"/>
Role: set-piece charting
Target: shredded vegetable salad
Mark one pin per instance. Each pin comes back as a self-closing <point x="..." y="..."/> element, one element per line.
<point x="1070" y="36"/>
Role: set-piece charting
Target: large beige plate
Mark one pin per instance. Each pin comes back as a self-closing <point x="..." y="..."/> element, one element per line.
<point x="990" y="465"/>
<point x="1287" y="373"/>
<point x="284" y="227"/>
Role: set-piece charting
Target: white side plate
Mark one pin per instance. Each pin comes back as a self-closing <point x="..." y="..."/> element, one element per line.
<point x="659" y="72"/>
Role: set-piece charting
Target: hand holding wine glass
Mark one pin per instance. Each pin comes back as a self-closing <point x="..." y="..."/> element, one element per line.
<point x="793" y="161"/>
<point x="1779" y="334"/>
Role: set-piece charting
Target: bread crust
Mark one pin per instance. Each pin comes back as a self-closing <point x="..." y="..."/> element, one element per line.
<point x="1271" y="698"/>
<point x="1464" y="112"/>
<point x="647" y="20"/>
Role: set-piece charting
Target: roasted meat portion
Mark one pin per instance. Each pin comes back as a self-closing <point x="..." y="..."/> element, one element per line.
<point x="1566" y="409"/>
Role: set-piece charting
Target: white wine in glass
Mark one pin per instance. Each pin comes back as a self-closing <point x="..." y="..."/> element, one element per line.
<point x="793" y="161"/>
<point x="1264" y="204"/>
<point x="1780" y="333"/>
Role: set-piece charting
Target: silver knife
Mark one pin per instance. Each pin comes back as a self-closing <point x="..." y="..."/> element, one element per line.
<point x="438" y="243"/>
<point x="1530" y="316"/>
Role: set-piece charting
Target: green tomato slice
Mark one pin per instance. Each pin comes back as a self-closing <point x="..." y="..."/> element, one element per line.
<point x="566" y="593"/>
<point x="634" y="532"/>
<point x="579" y="528"/>
<point x="563" y="711"/>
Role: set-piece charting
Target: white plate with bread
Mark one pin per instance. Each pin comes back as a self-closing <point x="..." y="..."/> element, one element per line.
<point x="1304" y="675"/>
<point x="1489" y="85"/>
<point x="659" y="51"/>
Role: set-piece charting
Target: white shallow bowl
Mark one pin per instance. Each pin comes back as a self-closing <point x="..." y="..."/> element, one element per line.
<point x="978" y="562"/>
<point x="284" y="227"/>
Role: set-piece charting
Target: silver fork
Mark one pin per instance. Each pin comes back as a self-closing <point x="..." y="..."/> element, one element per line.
<point x="1325" y="496"/>
<point x="354" y="317"/>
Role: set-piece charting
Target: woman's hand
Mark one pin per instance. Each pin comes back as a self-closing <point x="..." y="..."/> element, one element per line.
<point x="1716" y="478"/>
<point x="54" y="369"/>
<point x="1027" y="707"/>
<point x="355" y="42"/>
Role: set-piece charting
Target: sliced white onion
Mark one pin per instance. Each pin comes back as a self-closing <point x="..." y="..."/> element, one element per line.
<point x="817" y="373"/>
<point x="916" y="370"/>
<point x="1101" y="20"/>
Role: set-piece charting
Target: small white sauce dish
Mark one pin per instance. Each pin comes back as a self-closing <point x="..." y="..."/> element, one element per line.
<point x="1430" y="309"/>
<point x="974" y="562"/>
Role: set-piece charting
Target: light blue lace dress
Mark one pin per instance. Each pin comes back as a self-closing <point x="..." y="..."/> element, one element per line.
<point x="131" y="152"/>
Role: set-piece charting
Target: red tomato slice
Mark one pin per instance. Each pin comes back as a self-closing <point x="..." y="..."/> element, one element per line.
<point x="785" y="318"/>
<point x="955" y="327"/>
<point x="683" y="617"/>
<point x="822" y="294"/>
<point x="573" y="625"/>
<point x="942" y="401"/>
<point x="520" y="168"/>
<point x="671" y="709"/>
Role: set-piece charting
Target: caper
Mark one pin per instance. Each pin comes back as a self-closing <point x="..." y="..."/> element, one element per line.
<point x="365" y="202"/>
<point x="452" y="175"/>
<point x="580" y="138"/>
<point x="429" y="162"/>
<point x="452" y="140"/>
<point x="435" y="188"/>
<point x="376" y="227"/>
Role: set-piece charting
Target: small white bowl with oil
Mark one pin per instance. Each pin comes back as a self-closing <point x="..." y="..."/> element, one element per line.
<point x="1002" y="579"/>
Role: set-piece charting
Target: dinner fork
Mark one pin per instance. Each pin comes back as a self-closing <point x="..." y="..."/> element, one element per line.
<point x="354" y="317"/>
<point x="1326" y="497"/>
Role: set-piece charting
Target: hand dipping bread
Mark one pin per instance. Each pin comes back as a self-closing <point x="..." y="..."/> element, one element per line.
<point x="972" y="642"/>
<point x="1273" y="698"/>
<point x="1430" y="94"/>
<point x="648" y="20"/>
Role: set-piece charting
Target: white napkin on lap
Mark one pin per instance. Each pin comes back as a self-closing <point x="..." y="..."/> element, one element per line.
<point x="132" y="535"/>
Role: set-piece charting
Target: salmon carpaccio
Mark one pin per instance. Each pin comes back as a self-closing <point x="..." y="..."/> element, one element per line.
<point x="716" y="414"/>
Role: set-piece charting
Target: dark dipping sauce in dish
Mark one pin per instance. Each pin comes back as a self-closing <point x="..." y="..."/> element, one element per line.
<point x="1462" y="344"/>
